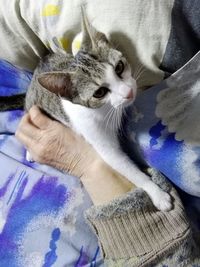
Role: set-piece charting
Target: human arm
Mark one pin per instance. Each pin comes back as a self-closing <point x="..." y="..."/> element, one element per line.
<point x="131" y="232"/>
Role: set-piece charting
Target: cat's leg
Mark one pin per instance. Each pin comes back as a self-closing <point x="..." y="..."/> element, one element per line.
<point x="127" y="168"/>
<point x="118" y="160"/>
<point x="107" y="145"/>
<point x="160" y="198"/>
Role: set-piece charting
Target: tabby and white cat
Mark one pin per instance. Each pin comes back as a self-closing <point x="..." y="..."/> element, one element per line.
<point x="83" y="92"/>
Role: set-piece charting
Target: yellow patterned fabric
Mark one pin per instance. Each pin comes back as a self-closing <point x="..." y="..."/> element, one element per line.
<point x="34" y="25"/>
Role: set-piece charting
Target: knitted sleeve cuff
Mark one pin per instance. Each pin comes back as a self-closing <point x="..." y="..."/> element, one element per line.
<point x="130" y="227"/>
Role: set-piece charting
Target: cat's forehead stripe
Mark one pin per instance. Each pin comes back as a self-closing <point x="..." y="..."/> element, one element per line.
<point x="86" y="60"/>
<point x="90" y="65"/>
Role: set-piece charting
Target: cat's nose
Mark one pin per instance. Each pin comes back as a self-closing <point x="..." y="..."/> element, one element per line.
<point x="130" y="95"/>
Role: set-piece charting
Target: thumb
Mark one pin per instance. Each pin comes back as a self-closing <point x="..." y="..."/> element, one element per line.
<point x="39" y="119"/>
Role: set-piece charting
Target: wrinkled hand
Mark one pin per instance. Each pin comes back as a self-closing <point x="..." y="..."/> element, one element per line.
<point x="49" y="142"/>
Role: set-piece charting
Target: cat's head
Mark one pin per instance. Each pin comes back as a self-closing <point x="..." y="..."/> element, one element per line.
<point x="99" y="74"/>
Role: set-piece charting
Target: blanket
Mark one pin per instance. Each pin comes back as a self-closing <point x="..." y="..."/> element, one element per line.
<point x="163" y="128"/>
<point x="41" y="209"/>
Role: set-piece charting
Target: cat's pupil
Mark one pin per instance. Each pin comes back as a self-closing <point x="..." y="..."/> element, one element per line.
<point x="119" y="68"/>
<point x="101" y="92"/>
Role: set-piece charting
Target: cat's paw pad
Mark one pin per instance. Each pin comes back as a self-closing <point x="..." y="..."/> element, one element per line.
<point x="29" y="157"/>
<point x="163" y="202"/>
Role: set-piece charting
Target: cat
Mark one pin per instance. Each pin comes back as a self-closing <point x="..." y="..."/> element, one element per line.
<point x="83" y="92"/>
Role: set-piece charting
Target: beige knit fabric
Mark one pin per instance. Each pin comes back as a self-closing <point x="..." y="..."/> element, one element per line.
<point x="138" y="235"/>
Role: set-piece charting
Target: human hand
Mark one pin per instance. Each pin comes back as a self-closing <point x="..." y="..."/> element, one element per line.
<point x="49" y="142"/>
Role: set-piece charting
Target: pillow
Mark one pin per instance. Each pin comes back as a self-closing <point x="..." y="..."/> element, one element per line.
<point x="153" y="35"/>
<point x="139" y="28"/>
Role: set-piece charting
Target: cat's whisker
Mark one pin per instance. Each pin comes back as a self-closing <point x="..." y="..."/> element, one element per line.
<point x="109" y="117"/>
<point x="113" y="122"/>
<point x="107" y="121"/>
<point x="117" y="117"/>
<point x="120" y="117"/>
<point x="119" y="111"/>
<point x="113" y="119"/>
<point x="123" y="132"/>
<point x="138" y="70"/>
<point x="108" y="112"/>
<point x="143" y="79"/>
<point x="139" y="75"/>
<point x="125" y="112"/>
<point x="116" y="46"/>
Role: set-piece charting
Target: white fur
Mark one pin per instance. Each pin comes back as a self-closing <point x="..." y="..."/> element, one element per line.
<point x="90" y="123"/>
<point x="120" y="88"/>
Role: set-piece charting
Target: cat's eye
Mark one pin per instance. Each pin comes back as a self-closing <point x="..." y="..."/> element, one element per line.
<point x="119" y="68"/>
<point x="101" y="92"/>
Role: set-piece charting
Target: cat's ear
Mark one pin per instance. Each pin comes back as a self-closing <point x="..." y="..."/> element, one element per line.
<point x="58" y="83"/>
<point x="91" y="38"/>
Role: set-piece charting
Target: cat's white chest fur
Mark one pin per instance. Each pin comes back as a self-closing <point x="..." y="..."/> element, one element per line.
<point x="91" y="125"/>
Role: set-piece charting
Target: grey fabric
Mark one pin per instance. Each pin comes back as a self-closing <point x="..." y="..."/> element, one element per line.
<point x="178" y="104"/>
<point x="184" y="39"/>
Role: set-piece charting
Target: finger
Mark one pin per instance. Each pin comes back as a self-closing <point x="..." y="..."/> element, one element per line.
<point x="26" y="140"/>
<point x="27" y="127"/>
<point x="31" y="146"/>
<point x="40" y="120"/>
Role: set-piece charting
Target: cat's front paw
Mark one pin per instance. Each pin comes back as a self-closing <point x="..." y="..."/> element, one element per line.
<point x="163" y="202"/>
<point x="29" y="157"/>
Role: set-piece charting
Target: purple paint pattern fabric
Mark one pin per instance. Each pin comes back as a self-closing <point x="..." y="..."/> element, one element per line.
<point x="41" y="209"/>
